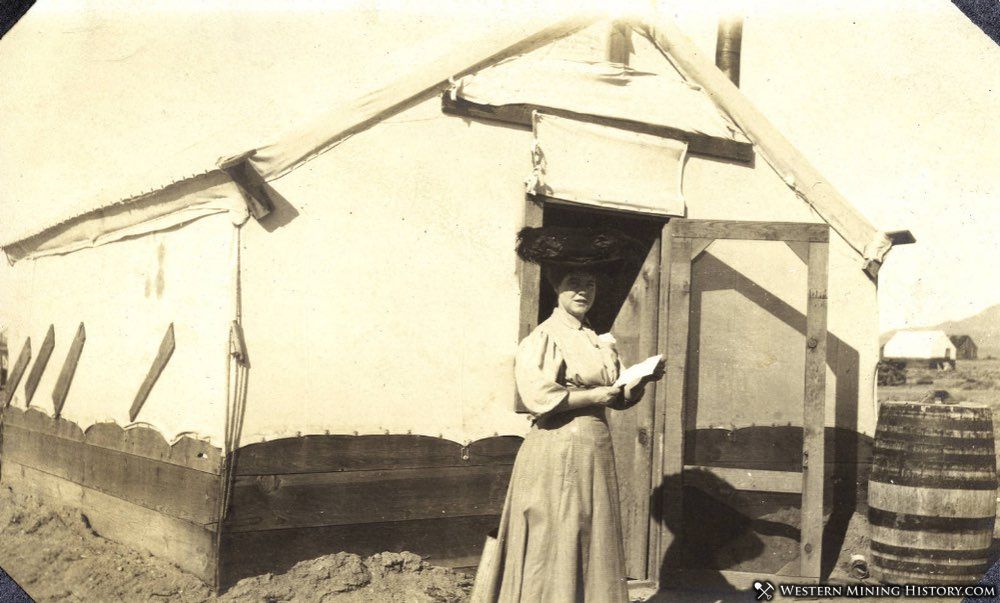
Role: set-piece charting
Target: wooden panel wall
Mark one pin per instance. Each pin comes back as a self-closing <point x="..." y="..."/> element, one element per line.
<point x="298" y="498"/>
<point x="132" y="485"/>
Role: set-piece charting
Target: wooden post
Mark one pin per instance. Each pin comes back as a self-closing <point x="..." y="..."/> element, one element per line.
<point x="655" y="557"/>
<point x="43" y="359"/>
<point x="68" y="370"/>
<point x="814" y="415"/>
<point x="15" y="376"/>
<point x="529" y="279"/>
<point x="159" y="363"/>
<point x="671" y="493"/>
<point x="531" y="274"/>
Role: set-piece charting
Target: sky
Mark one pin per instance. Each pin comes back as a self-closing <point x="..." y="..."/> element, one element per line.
<point x="896" y="103"/>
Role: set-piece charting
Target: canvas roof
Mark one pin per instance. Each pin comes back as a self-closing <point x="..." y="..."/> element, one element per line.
<point x="135" y="153"/>
<point x="917" y="344"/>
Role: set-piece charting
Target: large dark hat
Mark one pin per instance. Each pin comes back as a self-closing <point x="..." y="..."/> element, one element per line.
<point x="587" y="248"/>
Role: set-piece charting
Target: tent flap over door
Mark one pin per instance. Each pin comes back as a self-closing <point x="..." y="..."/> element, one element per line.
<point x="598" y="165"/>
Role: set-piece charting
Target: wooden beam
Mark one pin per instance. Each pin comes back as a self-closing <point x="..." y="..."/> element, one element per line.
<point x="814" y="414"/>
<point x="39" y="367"/>
<point x="256" y="191"/>
<point x="15" y="376"/>
<point x="698" y="247"/>
<point x="519" y="115"/>
<point x="755" y="480"/>
<point x="753" y="231"/>
<point x="671" y="492"/>
<point x="530" y="281"/>
<point x="801" y="249"/>
<point x="159" y="363"/>
<point x="61" y="389"/>
<point x="655" y="556"/>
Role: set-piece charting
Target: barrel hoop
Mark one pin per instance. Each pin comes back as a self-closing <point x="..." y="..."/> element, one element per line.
<point x="907" y="551"/>
<point x="924" y="459"/>
<point x="895" y="477"/>
<point x="924" y="432"/>
<point x="933" y="423"/>
<point x="928" y="523"/>
<point x="937" y="440"/>
<point x="931" y="568"/>
<point x="893" y="407"/>
<point x="920" y="447"/>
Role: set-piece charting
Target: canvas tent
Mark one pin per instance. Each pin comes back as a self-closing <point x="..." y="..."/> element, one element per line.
<point x="306" y="345"/>
<point x="920" y="345"/>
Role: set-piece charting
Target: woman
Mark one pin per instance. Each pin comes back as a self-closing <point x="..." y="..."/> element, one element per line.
<point x="560" y="536"/>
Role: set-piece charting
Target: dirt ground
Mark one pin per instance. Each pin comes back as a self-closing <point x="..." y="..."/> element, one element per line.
<point x="973" y="381"/>
<point x="55" y="556"/>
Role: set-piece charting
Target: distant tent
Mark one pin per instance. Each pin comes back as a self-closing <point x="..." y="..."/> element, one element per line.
<point x="933" y="346"/>
<point x="966" y="349"/>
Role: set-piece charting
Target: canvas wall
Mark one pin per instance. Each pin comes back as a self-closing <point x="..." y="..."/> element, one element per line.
<point x="398" y="305"/>
<point x="127" y="293"/>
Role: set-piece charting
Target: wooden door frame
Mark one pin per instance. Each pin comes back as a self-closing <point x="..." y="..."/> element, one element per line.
<point x="682" y="242"/>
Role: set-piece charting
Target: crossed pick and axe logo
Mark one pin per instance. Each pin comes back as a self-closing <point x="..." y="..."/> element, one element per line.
<point x="764" y="590"/>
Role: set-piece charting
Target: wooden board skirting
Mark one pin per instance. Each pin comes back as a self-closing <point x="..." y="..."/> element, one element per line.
<point x="356" y="497"/>
<point x="169" y="489"/>
<point x="329" y="453"/>
<point x="519" y="115"/>
<point x="324" y="480"/>
<point x="189" y="546"/>
<point x="445" y="541"/>
<point x="140" y="441"/>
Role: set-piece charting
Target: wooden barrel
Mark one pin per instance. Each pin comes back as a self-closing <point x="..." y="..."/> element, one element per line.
<point x="932" y="494"/>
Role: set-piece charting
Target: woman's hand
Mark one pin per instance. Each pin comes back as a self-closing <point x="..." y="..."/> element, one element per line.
<point x="608" y="395"/>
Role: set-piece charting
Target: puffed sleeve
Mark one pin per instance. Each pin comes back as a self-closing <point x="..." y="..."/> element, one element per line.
<point x="537" y="367"/>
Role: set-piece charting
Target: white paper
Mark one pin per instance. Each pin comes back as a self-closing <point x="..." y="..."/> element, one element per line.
<point x="638" y="371"/>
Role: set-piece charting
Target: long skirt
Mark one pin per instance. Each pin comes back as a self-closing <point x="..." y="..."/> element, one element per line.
<point x="560" y="536"/>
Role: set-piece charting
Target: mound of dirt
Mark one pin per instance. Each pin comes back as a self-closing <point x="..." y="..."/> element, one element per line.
<point x="346" y="578"/>
<point x="54" y="555"/>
